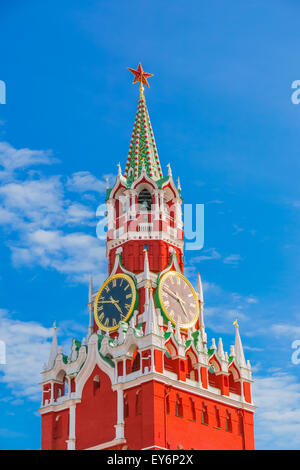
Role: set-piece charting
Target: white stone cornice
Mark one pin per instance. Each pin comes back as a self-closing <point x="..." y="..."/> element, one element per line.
<point x="130" y="235"/>
<point x="106" y="445"/>
<point x="59" y="406"/>
<point x="184" y="386"/>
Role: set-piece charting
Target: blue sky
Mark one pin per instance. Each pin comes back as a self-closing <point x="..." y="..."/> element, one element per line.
<point x="221" y="110"/>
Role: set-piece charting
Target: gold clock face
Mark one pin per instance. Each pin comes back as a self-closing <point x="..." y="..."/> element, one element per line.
<point x="178" y="299"/>
<point x="114" y="302"/>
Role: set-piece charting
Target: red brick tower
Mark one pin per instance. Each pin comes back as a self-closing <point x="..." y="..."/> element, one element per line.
<point x="144" y="378"/>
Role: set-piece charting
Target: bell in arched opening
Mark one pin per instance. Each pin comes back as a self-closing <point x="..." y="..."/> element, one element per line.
<point x="145" y="200"/>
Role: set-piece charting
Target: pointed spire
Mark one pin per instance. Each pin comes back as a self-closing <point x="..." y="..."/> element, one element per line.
<point x="178" y="184"/>
<point x="151" y="319"/>
<point x="73" y="356"/>
<point x="201" y="314"/>
<point x="107" y="182"/>
<point x="146" y="273"/>
<point x="238" y="347"/>
<point x="221" y="349"/>
<point x="142" y="148"/>
<point x="119" y="169"/>
<point x="90" y="304"/>
<point x="177" y="334"/>
<point x="169" y="169"/>
<point x="200" y="290"/>
<point x="199" y="344"/>
<point x="213" y="344"/>
<point x="54" y="348"/>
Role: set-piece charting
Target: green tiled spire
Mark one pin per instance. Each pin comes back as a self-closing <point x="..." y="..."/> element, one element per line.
<point x="142" y="149"/>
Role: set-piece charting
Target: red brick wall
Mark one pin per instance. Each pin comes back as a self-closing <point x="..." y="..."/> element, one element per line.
<point x="96" y="415"/>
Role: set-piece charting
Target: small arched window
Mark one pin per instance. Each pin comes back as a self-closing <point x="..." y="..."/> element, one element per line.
<point x="179" y="407"/>
<point x="218" y="420"/>
<point x="57" y="427"/>
<point x="138" y="402"/>
<point x="167" y="405"/>
<point x="96" y="383"/>
<point x="126" y="407"/>
<point x="136" y="363"/>
<point x="228" y="421"/>
<point x="204" y="414"/>
<point x="145" y="200"/>
<point x="241" y="424"/>
<point x="193" y="409"/>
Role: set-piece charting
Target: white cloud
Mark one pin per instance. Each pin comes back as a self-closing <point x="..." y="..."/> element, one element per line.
<point x="237" y="229"/>
<point x="12" y="159"/>
<point x="277" y="419"/>
<point x="212" y="254"/>
<point x="84" y="181"/>
<point x="27" y="349"/>
<point x="40" y="212"/>
<point x="76" y="254"/>
<point x="232" y="259"/>
<point x="78" y="213"/>
<point x="216" y="201"/>
<point x="208" y="254"/>
<point x="250" y="348"/>
<point x="30" y="203"/>
<point x="286" y="329"/>
<point x="252" y="300"/>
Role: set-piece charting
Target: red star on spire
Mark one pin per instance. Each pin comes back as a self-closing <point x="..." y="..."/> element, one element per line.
<point x="140" y="75"/>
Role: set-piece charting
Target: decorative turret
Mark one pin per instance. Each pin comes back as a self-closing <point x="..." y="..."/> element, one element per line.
<point x="90" y="305"/>
<point x="150" y="313"/>
<point x="54" y="348"/>
<point x="201" y="314"/>
<point x="238" y="347"/>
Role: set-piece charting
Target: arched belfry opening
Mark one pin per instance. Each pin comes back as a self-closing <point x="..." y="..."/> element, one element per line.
<point x="145" y="200"/>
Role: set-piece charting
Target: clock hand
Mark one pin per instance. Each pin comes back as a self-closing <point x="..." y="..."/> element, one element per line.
<point x="170" y="292"/>
<point x="115" y="302"/>
<point x="182" y="306"/>
<point x="174" y="294"/>
<point x="180" y="299"/>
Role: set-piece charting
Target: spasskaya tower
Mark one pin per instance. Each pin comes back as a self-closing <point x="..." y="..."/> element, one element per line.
<point x="144" y="377"/>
